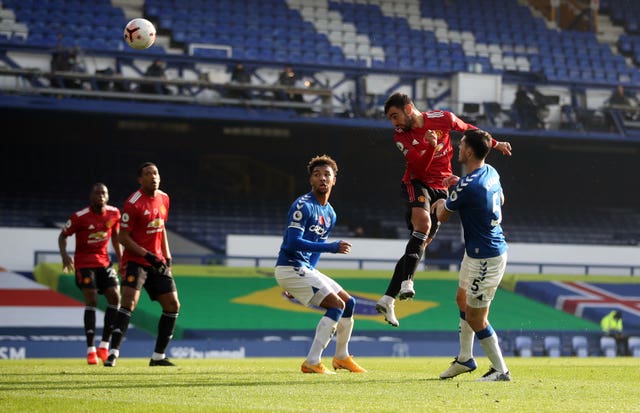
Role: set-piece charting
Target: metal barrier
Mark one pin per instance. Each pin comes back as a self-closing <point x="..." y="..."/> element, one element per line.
<point x="360" y="263"/>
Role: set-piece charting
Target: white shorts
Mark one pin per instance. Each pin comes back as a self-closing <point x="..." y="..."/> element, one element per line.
<point x="480" y="277"/>
<point x="302" y="282"/>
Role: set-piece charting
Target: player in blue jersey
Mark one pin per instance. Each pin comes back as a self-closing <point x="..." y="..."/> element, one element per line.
<point x="478" y="198"/>
<point x="309" y="222"/>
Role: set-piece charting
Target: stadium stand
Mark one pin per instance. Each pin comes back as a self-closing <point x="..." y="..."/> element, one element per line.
<point x="351" y="54"/>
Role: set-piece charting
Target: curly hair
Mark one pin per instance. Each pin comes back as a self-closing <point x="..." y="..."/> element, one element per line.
<point x="322" y="160"/>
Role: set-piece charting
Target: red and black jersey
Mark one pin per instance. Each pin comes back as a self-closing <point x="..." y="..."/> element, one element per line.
<point x="424" y="162"/>
<point x="93" y="232"/>
<point x="144" y="217"/>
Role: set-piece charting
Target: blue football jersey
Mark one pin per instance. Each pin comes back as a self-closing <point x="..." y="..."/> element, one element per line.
<point x="477" y="198"/>
<point x="308" y="228"/>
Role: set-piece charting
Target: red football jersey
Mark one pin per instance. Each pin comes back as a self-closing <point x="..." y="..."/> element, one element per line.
<point x="424" y="162"/>
<point x="144" y="217"/>
<point x="93" y="233"/>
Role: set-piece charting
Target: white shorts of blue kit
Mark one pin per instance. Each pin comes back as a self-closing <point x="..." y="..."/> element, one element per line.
<point x="301" y="282"/>
<point x="480" y="278"/>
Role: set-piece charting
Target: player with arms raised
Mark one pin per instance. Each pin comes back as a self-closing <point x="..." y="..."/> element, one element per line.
<point x="424" y="140"/>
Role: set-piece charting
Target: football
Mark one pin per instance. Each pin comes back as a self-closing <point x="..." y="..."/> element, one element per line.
<point x="140" y="33"/>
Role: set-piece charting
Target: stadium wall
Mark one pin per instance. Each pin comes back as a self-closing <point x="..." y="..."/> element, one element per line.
<point x="19" y="245"/>
<point x="63" y="153"/>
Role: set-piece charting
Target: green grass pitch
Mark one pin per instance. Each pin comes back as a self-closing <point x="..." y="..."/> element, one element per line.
<point x="539" y="384"/>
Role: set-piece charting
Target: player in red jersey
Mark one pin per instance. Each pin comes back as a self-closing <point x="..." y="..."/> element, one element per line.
<point x="424" y="140"/>
<point x="146" y="262"/>
<point x="93" y="227"/>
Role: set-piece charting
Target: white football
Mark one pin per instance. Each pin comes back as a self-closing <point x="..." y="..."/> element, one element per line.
<point x="140" y="33"/>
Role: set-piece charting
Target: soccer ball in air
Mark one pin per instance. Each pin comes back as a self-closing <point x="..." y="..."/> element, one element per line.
<point x="139" y="33"/>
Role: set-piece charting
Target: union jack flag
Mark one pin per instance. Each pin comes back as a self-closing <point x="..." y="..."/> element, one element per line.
<point x="590" y="301"/>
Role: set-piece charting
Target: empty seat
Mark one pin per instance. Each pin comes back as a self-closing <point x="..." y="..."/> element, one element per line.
<point x="552" y="346"/>
<point x="580" y="346"/>
<point x="608" y="346"/>
<point x="523" y="346"/>
<point x="634" y="346"/>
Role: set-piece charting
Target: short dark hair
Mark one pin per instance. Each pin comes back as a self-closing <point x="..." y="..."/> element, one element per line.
<point x="397" y="100"/>
<point x="97" y="184"/>
<point x="144" y="165"/>
<point x="479" y="141"/>
<point x="322" y="160"/>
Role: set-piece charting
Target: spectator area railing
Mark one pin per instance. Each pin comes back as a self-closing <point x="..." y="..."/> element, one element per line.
<point x="359" y="263"/>
<point x="30" y="81"/>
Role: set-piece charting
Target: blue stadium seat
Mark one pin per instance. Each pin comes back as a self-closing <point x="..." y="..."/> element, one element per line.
<point x="523" y="346"/>
<point x="552" y="346"/>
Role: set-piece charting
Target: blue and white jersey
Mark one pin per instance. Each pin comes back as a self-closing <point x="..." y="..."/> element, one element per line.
<point x="477" y="198"/>
<point x="308" y="228"/>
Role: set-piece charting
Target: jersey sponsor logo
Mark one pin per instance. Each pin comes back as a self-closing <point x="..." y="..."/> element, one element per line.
<point x="317" y="229"/>
<point x="155" y="226"/>
<point x="97" y="236"/>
